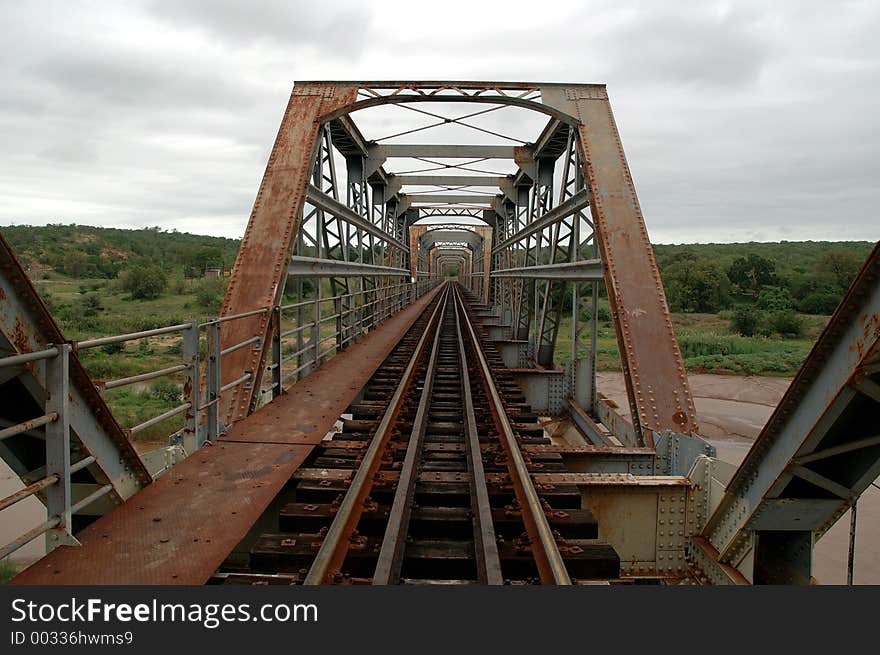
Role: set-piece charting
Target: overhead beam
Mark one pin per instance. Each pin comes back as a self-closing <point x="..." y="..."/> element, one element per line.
<point x="580" y="271"/>
<point x="395" y="182"/>
<point x="319" y="199"/>
<point x="459" y="151"/>
<point x="302" y="267"/>
<point x="469" y="199"/>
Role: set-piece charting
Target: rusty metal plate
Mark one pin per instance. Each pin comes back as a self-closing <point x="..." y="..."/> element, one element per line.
<point x="179" y="529"/>
<point x="307" y="411"/>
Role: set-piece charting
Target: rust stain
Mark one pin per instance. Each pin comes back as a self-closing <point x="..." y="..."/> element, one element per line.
<point x="20" y="338"/>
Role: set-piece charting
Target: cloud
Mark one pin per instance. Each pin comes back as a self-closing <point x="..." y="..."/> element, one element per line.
<point x="740" y="120"/>
<point x="337" y="25"/>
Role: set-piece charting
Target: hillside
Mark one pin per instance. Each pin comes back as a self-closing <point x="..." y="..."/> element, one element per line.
<point x="807" y="276"/>
<point x="82" y="251"/>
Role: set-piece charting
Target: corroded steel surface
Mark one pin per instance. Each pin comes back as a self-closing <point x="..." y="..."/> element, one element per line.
<point x="180" y="529"/>
<point x="259" y="272"/>
<point x="653" y="369"/>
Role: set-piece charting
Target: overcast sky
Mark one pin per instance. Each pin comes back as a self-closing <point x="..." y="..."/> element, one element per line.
<point x="741" y="120"/>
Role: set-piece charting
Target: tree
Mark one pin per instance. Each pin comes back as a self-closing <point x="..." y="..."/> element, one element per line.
<point x="73" y="263"/>
<point x="695" y="286"/>
<point x="751" y="273"/>
<point x="746" y="321"/>
<point x="840" y="266"/>
<point x="144" y="282"/>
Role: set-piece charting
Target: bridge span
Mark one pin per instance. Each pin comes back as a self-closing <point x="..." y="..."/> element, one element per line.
<point x="371" y="405"/>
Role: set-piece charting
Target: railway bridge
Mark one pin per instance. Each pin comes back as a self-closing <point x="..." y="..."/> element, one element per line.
<point x="400" y="387"/>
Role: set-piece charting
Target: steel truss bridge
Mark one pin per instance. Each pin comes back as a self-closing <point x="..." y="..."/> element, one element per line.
<point x="372" y="402"/>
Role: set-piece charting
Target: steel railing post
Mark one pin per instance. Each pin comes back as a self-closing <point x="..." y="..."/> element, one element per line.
<point x="340" y="324"/>
<point x="212" y="381"/>
<point x="192" y="440"/>
<point x="58" y="500"/>
<point x="276" y="351"/>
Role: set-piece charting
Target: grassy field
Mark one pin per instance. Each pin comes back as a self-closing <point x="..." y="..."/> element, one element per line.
<point x="708" y="345"/>
<point x="707" y="342"/>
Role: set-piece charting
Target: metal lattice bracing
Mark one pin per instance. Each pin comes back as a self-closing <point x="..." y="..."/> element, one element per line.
<point x="535" y="246"/>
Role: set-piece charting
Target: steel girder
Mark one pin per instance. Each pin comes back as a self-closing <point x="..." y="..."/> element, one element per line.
<point x="659" y="394"/>
<point x="260" y="268"/>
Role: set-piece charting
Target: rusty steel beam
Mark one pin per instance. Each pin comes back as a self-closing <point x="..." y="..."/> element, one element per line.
<point x="260" y="269"/>
<point x="657" y="385"/>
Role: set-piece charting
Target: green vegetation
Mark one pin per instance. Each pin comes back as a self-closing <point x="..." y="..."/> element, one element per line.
<point x="808" y="276"/>
<point x="8" y="570"/>
<point x="740" y="309"/>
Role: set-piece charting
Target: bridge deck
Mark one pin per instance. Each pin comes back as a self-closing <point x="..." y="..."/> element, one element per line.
<point x="179" y="529"/>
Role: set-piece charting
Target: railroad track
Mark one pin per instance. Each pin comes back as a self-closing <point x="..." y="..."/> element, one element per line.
<point x="430" y="481"/>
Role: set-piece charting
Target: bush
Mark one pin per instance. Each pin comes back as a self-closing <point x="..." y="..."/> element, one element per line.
<point x="775" y="299"/>
<point x="144" y="282"/>
<point x="166" y="390"/>
<point x="746" y="320"/>
<point x="90" y="305"/>
<point x="786" y="323"/>
<point x="819" y="302"/>
<point x="177" y="285"/>
<point x="112" y="348"/>
<point x="210" y="293"/>
<point x="604" y="314"/>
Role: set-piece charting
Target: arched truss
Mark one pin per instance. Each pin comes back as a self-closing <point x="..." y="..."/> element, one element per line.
<point x="565" y="222"/>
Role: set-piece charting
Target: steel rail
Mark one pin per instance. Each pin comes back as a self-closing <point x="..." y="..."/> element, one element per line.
<point x="486" y="546"/>
<point x="545" y="550"/>
<point x="333" y="549"/>
<point x="391" y="553"/>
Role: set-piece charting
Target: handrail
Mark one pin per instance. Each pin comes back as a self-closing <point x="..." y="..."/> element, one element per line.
<point x="131" y="336"/>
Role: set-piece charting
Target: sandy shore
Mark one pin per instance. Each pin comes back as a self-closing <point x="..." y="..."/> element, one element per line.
<point x="732" y="410"/>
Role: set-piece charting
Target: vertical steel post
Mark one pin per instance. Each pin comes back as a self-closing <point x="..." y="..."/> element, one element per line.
<point x="212" y="381"/>
<point x="190" y="349"/>
<point x="340" y="323"/>
<point x="316" y="327"/>
<point x="300" y="337"/>
<point x="851" y="559"/>
<point x="276" y="352"/>
<point x="58" y="448"/>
